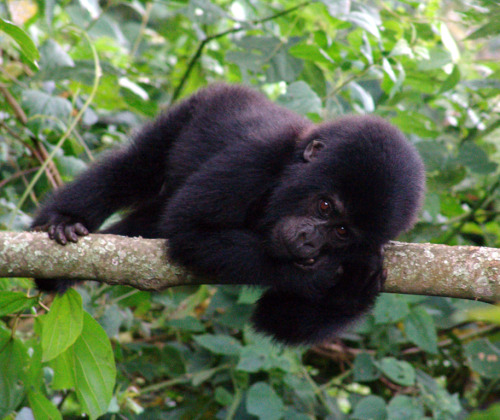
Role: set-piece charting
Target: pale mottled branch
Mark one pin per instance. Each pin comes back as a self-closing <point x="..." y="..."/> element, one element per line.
<point x="440" y="270"/>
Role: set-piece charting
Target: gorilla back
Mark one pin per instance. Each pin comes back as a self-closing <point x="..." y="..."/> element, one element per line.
<point x="253" y="193"/>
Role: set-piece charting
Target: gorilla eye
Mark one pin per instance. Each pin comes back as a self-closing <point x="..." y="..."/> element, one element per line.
<point x="342" y="232"/>
<point x="325" y="208"/>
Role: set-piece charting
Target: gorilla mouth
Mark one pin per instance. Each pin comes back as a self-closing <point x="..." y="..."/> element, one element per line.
<point x="307" y="263"/>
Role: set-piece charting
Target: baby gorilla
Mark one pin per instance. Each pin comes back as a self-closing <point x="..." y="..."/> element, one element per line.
<point x="253" y="193"/>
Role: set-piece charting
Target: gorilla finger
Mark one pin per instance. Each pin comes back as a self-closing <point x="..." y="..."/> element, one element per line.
<point x="69" y="233"/>
<point x="81" y="229"/>
<point x="59" y="234"/>
<point x="51" y="231"/>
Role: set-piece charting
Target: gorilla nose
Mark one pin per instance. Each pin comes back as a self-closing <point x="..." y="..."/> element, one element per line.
<point x="308" y="243"/>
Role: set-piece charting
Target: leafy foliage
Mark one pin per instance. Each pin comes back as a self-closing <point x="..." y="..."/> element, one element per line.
<point x="77" y="76"/>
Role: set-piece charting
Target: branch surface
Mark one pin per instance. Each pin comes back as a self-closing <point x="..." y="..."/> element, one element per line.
<point x="425" y="269"/>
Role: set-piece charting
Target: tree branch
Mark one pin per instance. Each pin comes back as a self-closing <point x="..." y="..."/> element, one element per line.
<point x="439" y="270"/>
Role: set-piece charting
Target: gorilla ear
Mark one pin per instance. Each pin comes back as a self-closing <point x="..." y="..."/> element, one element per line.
<point x="313" y="149"/>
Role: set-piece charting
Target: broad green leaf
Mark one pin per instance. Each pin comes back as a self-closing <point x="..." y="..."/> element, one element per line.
<point x="283" y="67"/>
<point x="434" y="154"/>
<point x="42" y="408"/>
<point x="28" y="47"/>
<point x="365" y="21"/>
<point x="437" y="398"/>
<point x="412" y="122"/>
<point x="62" y="325"/>
<point x="219" y="344"/>
<point x="12" y="302"/>
<point x="62" y="366"/>
<point x="54" y="56"/>
<point x="13" y="360"/>
<point x="403" y="407"/>
<point x="390" y="308"/>
<point x="476" y="159"/>
<point x="437" y="60"/>
<point x="370" y="408"/>
<point x="483" y="357"/>
<point x="421" y="330"/>
<point x="300" y="98"/>
<point x="252" y="359"/>
<point x="246" y="60"/>
<point x="398" y="371"/>
<point x="263" y="402"/>
<point x="173" y="360"/>
<point x="223" y="396"/>
<point x="311" y="52"/>
<point x="365" y="369"/>
<point x="41" y="103"/>
<point x="93" y="368"/>
<point x="188" y="323"/>
<point x="249" y="295"/>
<point x="304" y="390"/>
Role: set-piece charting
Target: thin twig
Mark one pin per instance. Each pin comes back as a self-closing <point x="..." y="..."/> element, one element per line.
<point x="18" y="110"/>
<point x="244" y="26"/>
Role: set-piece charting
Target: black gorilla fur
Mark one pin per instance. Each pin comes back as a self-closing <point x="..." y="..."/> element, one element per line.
<point x="252" y="193"/>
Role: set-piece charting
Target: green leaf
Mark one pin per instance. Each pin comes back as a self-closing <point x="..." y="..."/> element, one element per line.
<point x="437" y="398"/>
<point x="370" y="408"/>
<point x="188" y="323"/>
<point x="62" y="366"/>
<point x="451" y="81"/>
<point x="28" y="47"/>
<point x="219" y="344"/>
<point x="42" y="408"/>
<point x="390" y="308"/>
<point x="54" y="56"/>
<point x="398" y="371"/>
<point x="476" y="159"/>
<point x="173" y="360"/>
<point x="13" y="302"/>
<point x="421" y="330"/>
<point x="13" y="359"/>
<point x="252" y="358"/>
<point x="364" y="21"/>
<point x="93" y="368"/>
<point x="403" y="407"/>
<point x="62" y="325"/>
<point x="311" y="53"/>
<point x="365" y="369"/>
<point x="483" y="358"/>
<point x="41" y="103"/>
<point x="263" y="402"/>
<point x="249" y="295"/>
<point x="300" y="98"/>
<point x="223" y="396"/>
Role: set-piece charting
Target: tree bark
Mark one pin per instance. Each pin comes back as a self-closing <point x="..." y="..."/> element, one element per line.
<point x="425" y="269"/>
